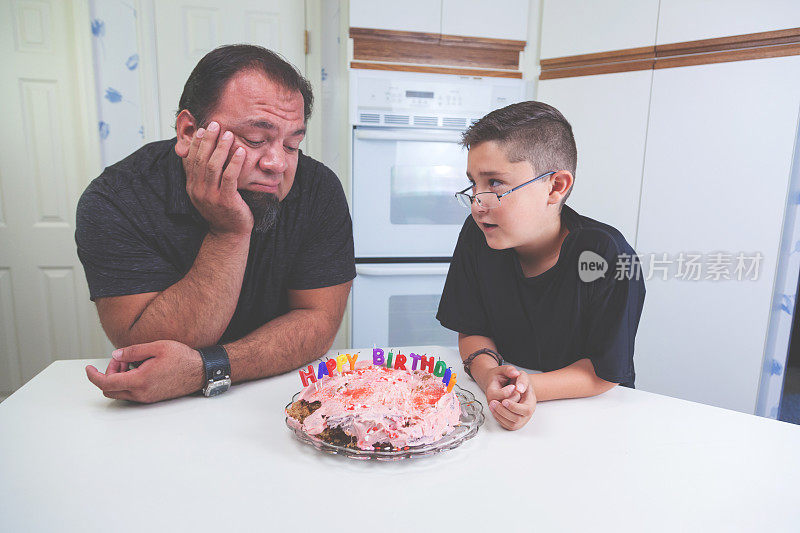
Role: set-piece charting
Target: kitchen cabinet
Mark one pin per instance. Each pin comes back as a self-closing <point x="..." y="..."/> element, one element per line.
<point x="500" y="19"/>
<point x="688" y="20"/>
<point x="503" y="19"/>
<point x="608" y="114"/>
<point x="574" y="27"/>
<point x="717" y="165"/>
<point x="410" y="15"/>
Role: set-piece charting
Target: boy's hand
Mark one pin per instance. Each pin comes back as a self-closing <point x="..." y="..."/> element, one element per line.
<point x="513" y="414"/>
<point x="499" y="384"/>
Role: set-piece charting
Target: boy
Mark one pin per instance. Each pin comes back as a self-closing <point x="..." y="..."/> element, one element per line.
<point x="527" y="282"/>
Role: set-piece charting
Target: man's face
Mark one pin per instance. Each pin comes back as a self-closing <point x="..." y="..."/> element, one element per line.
<point x="522" y="215"/>
<point x="267" y="121"/>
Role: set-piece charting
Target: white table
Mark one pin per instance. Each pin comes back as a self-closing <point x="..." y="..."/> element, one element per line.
<point x="72" y="460"/>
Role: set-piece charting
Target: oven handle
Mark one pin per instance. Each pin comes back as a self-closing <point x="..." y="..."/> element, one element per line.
<point x="450" y="136"/>
<point x="402" y="270"/>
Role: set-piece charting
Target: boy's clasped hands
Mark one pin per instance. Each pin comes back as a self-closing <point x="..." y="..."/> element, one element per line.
<point x="510" y="395"/>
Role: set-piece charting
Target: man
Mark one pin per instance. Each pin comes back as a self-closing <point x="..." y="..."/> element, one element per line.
<point x="516" y="291"/>
<point x="224" y="254"/>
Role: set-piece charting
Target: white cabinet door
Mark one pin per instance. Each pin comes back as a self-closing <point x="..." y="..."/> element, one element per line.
<point x="574" y="27"/>
<point x="608" y="114"/>
<point x="719" y="151"/>
<point x="411" y="15"/>
<point x="500" y="19"/>
<point x="186" y="30"/>
<point x="690" y="20"/>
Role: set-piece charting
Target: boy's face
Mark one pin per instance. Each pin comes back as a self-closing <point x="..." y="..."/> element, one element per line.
<point x="523" y="214"/>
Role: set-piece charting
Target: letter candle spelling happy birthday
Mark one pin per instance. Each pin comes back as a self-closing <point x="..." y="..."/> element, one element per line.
<point x="380" y="358"/>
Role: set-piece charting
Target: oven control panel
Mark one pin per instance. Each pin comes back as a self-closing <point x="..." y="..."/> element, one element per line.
<point x="427" y="100"/>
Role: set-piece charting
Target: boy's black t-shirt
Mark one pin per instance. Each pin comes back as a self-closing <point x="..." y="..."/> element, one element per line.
<point x="549" y="321"/>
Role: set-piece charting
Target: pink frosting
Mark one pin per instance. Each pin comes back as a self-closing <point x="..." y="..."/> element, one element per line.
<point x="378" y="405"/>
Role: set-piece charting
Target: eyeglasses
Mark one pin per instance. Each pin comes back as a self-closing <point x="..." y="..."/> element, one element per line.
<point x="490" y="200"/>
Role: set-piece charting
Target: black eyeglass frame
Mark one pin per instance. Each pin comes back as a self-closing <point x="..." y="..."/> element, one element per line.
<point x="473" y="197"/>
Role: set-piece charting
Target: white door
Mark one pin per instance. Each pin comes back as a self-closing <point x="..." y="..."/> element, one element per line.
<point x="719" y="154"/>
<point x="186" y="30"/>
<point x="48" y="154"/>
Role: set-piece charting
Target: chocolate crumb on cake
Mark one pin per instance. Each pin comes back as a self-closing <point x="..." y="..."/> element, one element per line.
<point x="337" y="437"/>
<point x="301" y="409"/>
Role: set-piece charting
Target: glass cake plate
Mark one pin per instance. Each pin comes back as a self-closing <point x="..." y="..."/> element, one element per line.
<point x="471" y="419"/>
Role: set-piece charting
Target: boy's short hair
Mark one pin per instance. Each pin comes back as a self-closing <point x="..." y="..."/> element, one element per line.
<point x="529" y="131"/>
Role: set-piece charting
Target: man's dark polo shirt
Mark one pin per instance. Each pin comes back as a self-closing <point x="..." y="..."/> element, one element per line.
<point x="137" y="231"/>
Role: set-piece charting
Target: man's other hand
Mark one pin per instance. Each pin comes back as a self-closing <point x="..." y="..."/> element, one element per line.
<point x="168" y="369"/>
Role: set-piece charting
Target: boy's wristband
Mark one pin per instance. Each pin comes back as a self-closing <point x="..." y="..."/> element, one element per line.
<point x="468" y="361"/>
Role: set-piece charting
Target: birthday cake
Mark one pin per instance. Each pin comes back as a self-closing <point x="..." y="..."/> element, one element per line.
<point x="375" y="407"/>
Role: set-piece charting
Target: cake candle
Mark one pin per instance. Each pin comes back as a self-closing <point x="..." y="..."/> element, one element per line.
<point x="452" y="382"/>
<point x="340" y="361"/>
<point x="331" y="364"/>
<point x="377" y="357"/>
<point x="307" y="375"/>
<point x="426" y="362"/>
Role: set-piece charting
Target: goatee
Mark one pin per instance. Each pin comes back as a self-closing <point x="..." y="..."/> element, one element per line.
<point x="265" y="207"/>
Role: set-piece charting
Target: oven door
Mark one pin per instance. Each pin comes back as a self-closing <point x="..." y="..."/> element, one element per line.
<point x="395" y="305"/>
<point x="403" y="186"/>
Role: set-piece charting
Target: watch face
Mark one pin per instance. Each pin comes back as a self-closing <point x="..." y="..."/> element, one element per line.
<point x="217" y="387"/>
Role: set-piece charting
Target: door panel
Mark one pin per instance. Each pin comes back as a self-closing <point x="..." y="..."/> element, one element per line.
<point x="187" y="30"/>
<point x="44" y="166"/>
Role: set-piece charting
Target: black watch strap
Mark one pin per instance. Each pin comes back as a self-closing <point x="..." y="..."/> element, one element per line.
<point x="217" y="366"/>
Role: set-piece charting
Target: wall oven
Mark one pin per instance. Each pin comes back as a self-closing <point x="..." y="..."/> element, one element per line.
<point x="407" y="163"/>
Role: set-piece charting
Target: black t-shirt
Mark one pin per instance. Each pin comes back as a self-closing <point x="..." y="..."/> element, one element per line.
<point x="549" y="321"/>
<point x="137" y="231"/>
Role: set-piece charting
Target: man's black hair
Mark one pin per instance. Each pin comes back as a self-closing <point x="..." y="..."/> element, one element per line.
<point x="204" y="87"/>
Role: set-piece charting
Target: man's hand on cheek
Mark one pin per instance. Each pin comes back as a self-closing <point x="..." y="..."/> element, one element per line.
<point x="211" y="182"/>
<point x="168" y="369"/>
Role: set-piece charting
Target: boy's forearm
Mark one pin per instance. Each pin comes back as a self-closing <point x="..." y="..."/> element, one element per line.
<point x="468" y="344"/>
<point x="577" y="380"/>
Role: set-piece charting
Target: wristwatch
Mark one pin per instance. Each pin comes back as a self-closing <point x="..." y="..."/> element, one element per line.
<point x="468" y="361"/>
<point x="217" y="368"/>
